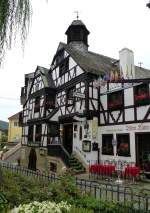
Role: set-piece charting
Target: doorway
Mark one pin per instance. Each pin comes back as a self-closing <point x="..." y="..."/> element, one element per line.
<point x="142" y="148"/>
<point x="32" y="160"/>
<point x="68" y="137"/>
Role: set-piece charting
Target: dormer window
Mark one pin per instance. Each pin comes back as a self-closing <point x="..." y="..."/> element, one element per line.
<point x="70" y="96"/>
<point x="50" y="102"/>
<point x="115" y="100"/>
<point x="59" y="57"/>
<point x="141" y="94"/>
<point x="36" y="87"/>
<point x="37" y="104"/>
<point x="64" y="66"/>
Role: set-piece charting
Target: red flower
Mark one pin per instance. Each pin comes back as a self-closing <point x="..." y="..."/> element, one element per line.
<point x="141" y="97"/>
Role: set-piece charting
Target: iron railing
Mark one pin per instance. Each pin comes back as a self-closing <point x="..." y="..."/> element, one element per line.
<point x="106" y="191"/>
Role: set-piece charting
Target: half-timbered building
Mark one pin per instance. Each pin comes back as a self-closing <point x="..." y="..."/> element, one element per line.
<point x="70" y="109"/>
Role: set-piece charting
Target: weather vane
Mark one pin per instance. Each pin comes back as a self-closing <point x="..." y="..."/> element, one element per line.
<point x="77" y="13"/>
<point x="140" y="64"/>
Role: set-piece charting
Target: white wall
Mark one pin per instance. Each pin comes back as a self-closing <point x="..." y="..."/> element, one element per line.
<point x="77" y="143"/>
<point x="120" y="129"/>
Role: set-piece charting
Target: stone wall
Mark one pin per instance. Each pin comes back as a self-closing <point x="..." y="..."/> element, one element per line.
<point x="43" y="160"/>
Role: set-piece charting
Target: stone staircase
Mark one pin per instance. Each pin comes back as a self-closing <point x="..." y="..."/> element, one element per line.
<point x="76" y="165"/>
<point x="12" y="154"/>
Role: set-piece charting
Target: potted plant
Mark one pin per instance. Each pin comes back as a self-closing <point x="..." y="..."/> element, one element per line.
<point x="123" y="149"/>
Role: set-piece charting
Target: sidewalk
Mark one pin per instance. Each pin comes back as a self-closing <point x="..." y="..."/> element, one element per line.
<point x="137" y="186"/>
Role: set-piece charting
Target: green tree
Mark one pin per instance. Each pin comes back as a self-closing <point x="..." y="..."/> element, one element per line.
<point x="15" y="18"/>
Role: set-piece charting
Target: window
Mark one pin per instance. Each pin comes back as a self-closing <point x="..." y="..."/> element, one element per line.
<point x="15" y="124"/>
<point x="53" y="130"/>
<point x="123" y="144"/>
<point x="37" y="104"/>
<point x="70" y="96"/>
<point x="38" y="133"/>
<point x="50" y="102"/>
<point x="141" y="94"/>
<point x="115" y="100"/>
<point x="37" y="87"/>
<point x="64" y="66"/>
<point x="107" y="147"/>
<point x="59" y="57"/>
<point x="53" y="133"/>
<point x="30" y="134"/>
<point x="53" y="167"/>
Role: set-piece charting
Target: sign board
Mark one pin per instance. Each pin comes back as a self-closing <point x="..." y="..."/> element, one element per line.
<point x="94" y="128"/>
<point x="79" y="95"/>
<point x="86" y="146"/>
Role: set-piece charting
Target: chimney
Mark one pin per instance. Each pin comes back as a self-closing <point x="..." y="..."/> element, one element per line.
<point x="127" y="69"/>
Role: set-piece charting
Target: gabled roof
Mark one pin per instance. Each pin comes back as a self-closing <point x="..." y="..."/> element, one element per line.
<point x="46" y="77"/>
<point x="15" y="116"/>
<point x="3" y="125"/>
<point x="141" y="72"/>
<point x="98" y="64"/>
<point x="89" y="61"/>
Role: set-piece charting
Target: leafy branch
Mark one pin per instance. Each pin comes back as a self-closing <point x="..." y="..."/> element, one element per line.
<point x="15" y="17"/>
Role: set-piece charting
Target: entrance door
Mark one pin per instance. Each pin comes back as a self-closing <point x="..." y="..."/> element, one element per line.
<point x="32" y="160"/>
<point x="68" y="137"/>
<point x="142" y="148"/>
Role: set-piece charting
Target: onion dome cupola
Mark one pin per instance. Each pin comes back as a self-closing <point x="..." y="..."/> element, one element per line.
<point x="77" y="33"/>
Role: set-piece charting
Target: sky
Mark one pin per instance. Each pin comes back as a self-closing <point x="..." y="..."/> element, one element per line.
<point x="113" y="25"/>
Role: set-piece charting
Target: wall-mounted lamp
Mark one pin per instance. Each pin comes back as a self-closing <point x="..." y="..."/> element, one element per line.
<point x="114" y="142"/>
<point x="86" y="127"/>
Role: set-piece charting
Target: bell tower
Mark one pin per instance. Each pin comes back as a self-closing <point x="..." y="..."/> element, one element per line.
<point x="77" y="33"/>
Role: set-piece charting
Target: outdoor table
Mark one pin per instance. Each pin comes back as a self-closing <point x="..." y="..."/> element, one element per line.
<point x="132" y="171"/>
<point x="102" y="169"/>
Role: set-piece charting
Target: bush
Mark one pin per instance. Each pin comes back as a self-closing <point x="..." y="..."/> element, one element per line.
<point x="43" y="207"/>
<point x="65" y="190"/>
<point x="3" y="203"/>
<point x="20" y="190"/>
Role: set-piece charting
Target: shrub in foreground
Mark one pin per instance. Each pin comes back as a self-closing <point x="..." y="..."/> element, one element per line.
<point x="3" y="203"/>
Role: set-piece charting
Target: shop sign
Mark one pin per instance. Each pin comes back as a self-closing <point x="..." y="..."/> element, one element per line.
<point x="79" y="95"/>
<point x="139" y="127"/>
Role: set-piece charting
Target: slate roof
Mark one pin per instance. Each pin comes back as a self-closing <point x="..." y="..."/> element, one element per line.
<point x="89" y="61"/>
<point x="3" y="125"/>
<point x="46" y="77"/>
<point x="141" y="72"/>
<point x="77" y="22"/>
<point x="98" y="64"/>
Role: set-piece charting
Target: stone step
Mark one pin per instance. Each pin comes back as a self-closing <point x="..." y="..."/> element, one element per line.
<point x="76" y="165"/>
